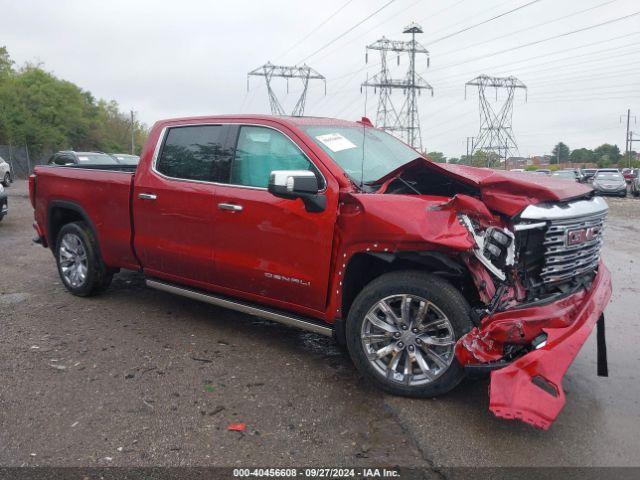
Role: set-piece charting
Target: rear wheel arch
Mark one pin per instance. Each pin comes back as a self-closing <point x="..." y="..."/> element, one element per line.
<point x="62" y="212"/>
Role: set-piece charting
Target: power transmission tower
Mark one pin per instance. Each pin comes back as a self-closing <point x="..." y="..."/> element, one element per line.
<point x="305" y="73"/>
<point x="495" y="134"/>
<point x="628" y="139"/>
<point x="404" y="122"/>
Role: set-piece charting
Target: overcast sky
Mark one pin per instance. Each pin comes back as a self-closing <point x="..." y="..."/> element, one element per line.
<point x="166" y="59"/>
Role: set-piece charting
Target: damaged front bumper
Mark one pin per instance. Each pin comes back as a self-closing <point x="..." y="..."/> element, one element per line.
<point x="530" y="387"/>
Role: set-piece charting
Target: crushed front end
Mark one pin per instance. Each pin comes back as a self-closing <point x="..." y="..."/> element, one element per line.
<point x="542" y="288"/>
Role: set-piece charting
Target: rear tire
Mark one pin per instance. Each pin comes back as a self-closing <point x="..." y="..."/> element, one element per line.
<point x="6" y="181"/>
<point x="401" y="333"/>
<point x="80" y="266"/>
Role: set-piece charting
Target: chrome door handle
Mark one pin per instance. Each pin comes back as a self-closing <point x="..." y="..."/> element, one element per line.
<point x="230" y="206"/>
<point x="147" y="196"/>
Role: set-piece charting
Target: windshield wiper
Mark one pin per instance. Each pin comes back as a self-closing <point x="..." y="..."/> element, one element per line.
<point x="409" y="185"/>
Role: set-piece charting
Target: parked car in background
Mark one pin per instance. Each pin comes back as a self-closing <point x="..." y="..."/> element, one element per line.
<point x="610" y="182"/>
<point x="578" y="173"/>
<point x="4" y="203"/>
<point x="566" y="174"/>
<point x="588" y="174"/>
<point x="629" y="174"/>
<point x="542" y="171"/>
<point x="5" y="173"/>
<point x="635" y="183"/>
<point x="126" y="158"/>
<point x="69" y="158"/>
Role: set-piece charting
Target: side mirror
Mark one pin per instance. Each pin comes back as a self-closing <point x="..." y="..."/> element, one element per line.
<point x="292" y="184"/>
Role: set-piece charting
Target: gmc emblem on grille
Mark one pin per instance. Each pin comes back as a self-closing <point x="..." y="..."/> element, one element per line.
<point x="582" y="235"/>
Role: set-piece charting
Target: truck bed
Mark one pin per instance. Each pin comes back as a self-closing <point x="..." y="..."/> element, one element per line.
<point x="101" y="196"/>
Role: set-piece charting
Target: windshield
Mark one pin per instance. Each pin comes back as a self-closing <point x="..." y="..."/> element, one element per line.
<point x="380" y="154"/>
<point x="90" y="158"/>
<point x="608" y="176"/>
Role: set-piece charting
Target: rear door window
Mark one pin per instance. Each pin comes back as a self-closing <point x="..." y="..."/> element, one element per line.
<point x="196" y="152"/>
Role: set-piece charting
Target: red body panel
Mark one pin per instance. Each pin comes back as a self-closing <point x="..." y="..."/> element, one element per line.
<point x="276" y="253"/>
<point x="174" y="232"/>
<point x="104" y="197"/>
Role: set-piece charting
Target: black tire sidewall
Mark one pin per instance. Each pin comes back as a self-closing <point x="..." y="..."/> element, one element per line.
<point x="95" y="267"/>
<point x="6" y="180"/>
<point x="441" y="293"/>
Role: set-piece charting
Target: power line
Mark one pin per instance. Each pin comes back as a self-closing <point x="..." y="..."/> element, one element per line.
<point x="347" y="31"/>
<point x="536" y="42"/>
<point x="388" y="19"/>
<point x="483" y="22"/>
<point x="475" y="44"/>
<point x="440" y="11"/>
<point x="468" y="19"/>
<point x="322" y="24"/>
<point x="525" y="60"/>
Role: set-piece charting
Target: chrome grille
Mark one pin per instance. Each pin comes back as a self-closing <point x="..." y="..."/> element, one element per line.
<point x="563" y="260"/>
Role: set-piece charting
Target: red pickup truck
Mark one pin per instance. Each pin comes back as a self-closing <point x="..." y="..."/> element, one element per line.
<point x="426" y="272"/>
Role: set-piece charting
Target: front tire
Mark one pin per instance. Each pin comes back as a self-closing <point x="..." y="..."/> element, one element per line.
<point x="6" y="181"/>
<point x="402" y="330"/>
<point x="80" y="266"/>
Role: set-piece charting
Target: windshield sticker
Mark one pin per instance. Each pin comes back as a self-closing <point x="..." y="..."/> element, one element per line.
<point x="335" y="142"/>
<point x="83" y="159"/>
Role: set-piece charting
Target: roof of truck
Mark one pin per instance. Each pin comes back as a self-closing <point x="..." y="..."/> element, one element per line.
<point x="288" y="119"/>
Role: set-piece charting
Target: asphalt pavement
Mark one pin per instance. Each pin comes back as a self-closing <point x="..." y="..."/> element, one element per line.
<point x="137" y="377"/>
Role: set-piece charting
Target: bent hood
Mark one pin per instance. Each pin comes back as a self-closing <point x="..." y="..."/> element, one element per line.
<point x="502" y="191"/>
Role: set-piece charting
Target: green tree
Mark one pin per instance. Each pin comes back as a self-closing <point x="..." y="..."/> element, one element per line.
<point x="48" y="113"/>
<point x="607" y="154"/>
<point x="437" y="157"/>
<point x="582" y="155"/>
<point x="560" y="153"/>
<point x="6" y="64"/>
<point x="482" y="158"/>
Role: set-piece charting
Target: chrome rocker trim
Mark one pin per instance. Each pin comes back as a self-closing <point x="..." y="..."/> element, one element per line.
<point x="261" y="312"/>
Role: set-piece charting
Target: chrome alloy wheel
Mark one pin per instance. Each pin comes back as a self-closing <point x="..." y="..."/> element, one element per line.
<point x="73" y="260"/>
<point x="408" y="339"/>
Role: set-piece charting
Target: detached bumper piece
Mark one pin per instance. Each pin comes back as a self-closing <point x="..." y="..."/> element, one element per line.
<point x="530" y="388"/>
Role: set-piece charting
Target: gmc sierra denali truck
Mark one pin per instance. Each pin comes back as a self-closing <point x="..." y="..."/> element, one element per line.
<point x="426" y="272"/>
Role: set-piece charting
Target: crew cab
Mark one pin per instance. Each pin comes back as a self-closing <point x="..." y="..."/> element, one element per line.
<point x="425" y="272"/>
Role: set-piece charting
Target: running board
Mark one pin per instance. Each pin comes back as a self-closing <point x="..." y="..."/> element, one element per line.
<point x="261" y="312"/>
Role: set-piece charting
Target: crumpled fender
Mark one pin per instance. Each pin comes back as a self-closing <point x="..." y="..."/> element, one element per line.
<point x="424" y="220"/>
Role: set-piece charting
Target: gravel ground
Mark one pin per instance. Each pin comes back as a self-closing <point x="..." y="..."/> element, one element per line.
<point x="137" y="377"/>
